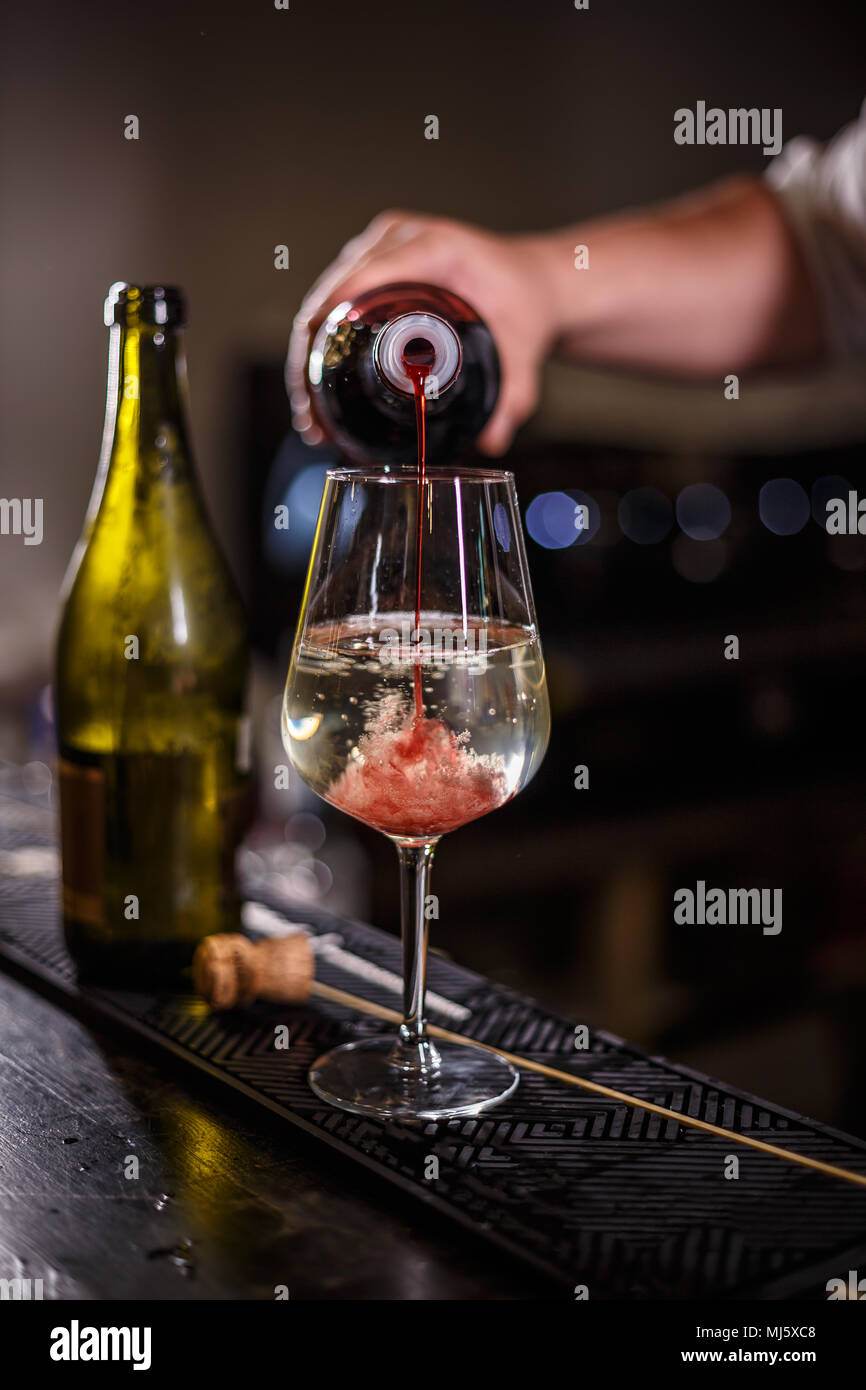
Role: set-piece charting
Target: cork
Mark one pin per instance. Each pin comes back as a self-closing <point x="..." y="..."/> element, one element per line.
<point x="230" y="971"/>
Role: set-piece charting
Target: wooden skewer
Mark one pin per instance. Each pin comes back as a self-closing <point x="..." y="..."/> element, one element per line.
<point x="230" y="971"/>
<point x="353" y="1001"/>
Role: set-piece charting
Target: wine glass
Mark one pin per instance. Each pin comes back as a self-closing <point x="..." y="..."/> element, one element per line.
<point x="416" y="701"/>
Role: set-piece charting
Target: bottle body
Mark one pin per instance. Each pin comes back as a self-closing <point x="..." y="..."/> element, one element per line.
<point x="361" y="394"/>
<point x="150" y="684"/>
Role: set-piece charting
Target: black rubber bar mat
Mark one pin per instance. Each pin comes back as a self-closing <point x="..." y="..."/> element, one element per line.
<point x="592" y="1192"/>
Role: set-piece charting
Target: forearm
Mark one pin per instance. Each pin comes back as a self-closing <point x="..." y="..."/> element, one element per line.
<point x="711" y="283"/>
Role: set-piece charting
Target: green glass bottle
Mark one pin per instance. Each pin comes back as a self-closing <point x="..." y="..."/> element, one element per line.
<point x="150" y="679"/>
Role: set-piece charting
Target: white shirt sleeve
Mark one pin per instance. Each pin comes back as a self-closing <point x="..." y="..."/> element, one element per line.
<point x="823" y="191"/>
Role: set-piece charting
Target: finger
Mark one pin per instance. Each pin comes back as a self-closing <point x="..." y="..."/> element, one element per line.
<point x="341" y="282"/>
<point x="517" y="401"/>
<point x="387" y="230"/>
<point x="326" y="293"/>
<point x="384" y="224"/>
<point x="415" y="259"/>
<point x="497" y="434"/>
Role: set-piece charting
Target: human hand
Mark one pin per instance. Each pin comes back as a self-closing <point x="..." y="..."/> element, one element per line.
<point x="504" y="278"/>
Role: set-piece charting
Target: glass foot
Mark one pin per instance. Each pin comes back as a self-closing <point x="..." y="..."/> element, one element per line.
<point x="385" y="1078"/>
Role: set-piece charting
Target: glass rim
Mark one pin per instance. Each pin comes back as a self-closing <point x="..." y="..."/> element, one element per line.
<point x="408" y="473"/>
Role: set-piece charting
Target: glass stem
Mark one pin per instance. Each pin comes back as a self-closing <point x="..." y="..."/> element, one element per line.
<point x="416" y="1051"/>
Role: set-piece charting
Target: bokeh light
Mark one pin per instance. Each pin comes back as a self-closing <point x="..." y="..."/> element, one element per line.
<point x="584" y="532"/>
<point x="700" y="562"/>
<point x="306" y="829"/>
<point x="287" y="549"/>
<point x="703" y="511"/>
<point x="783" y="506"/>
<point x="824" y="490"/>
<point x="645" y="515"/>
<point x="553" y="519"/>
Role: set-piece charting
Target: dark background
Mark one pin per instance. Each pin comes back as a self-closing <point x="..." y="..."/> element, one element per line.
<point x="261" y="127"/>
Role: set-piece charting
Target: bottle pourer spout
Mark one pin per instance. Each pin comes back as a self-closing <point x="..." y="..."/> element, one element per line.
<point x="399" y="341"/>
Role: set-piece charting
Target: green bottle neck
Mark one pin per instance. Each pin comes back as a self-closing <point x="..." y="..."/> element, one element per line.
<point x="145" y="456"/>
<point x="146" y="409"/>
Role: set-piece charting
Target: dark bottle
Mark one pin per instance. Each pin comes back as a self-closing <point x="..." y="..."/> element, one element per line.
<point x="362" y="395"/>
<point x="150" y="676"/>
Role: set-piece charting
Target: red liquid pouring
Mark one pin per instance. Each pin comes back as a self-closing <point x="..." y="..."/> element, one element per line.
<point x="418" y="358"/>
<point x="418" y="780"/>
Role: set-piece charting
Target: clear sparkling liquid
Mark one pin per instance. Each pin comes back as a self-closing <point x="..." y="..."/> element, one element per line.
<point x="354" y="733"/>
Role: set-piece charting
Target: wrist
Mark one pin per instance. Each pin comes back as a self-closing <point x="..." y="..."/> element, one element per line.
<point x="544" y="263"/>
<point x="567" y="284"/>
